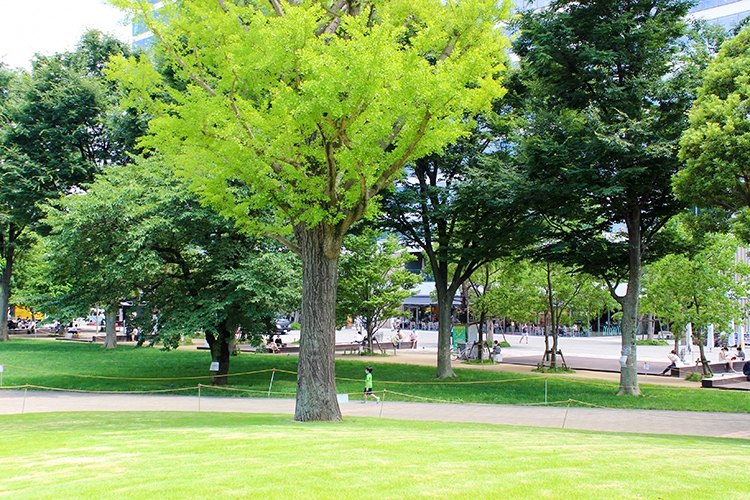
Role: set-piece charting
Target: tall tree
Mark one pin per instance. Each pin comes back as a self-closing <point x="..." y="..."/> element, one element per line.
<point x="460" y="209"/>
<point x="606" y="108"/>
<point x="716" y="147"/>
<point x="311" y="109"/>
<point x="373" y="281"/>
<point x="56" y="131"/>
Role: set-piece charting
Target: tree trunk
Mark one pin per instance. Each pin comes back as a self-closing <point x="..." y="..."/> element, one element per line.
<point x="445" y="303"/>
<point x="650" y="325"/>
<point x="320" y="247"/>
<point x="552" y="321"/>
<point x="110" y="340"/>
<point x="7" y="256"/>
<point x="629" y="303"/>
<point x="221" y="348"/>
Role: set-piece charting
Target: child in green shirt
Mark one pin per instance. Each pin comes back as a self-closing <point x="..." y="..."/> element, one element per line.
<point x="368" y="386"/>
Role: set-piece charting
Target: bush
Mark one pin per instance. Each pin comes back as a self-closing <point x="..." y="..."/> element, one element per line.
<point x="295" y="326"/>
<point x="546" y="369"/>
<point x="652" y="342"/>
<point x="694" y="376"/>
<point x="504" y="343"/>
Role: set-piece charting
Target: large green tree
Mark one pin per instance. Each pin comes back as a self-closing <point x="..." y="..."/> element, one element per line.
<point x="139" y="234"/>
<point x="716" y="147"/>
<point x="57" y="128"/>
<point x="606" y="100"/>
<point x="310" y="109"/>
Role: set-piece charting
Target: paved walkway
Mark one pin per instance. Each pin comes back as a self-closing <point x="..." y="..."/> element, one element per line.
<point x="596" y="353"/>
<point x="596" y="419"/>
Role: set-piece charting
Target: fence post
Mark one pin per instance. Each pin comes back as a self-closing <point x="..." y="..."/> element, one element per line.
<point x="566" y="413"/>
<point x="23" y="406"/>
<point x="199" y="396"/>
<point x="382" y="404"/>
<point x="273" y="374"/>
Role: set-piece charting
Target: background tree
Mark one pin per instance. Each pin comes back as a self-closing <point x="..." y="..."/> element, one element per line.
<point x="373" y="282"/>
<point x="512" y="292"/>
<point x="138" y="233"/>
<point x="699" y="288"/>
<point x="313" y="126"/>
<point x="716" y="146"/>
<point x="461" y="209"/>
<point x="57" y="128"/>
<point x="605" y="110"/>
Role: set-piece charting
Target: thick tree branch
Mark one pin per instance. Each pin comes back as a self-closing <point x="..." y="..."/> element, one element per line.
<point x="387" y="176"/>
<point x="276" y="5"/>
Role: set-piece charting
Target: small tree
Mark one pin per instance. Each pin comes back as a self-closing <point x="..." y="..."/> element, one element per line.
<point x="372" y="280"/>
<point x="700" y="288"/>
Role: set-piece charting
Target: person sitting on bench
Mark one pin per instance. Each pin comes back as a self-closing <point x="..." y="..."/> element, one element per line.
<point x="746" y="370"/>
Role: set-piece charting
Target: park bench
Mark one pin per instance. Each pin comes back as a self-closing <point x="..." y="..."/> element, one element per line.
<point x="716" y="367"/>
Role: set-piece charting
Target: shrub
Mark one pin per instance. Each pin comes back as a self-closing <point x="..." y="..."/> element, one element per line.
<point x="652" y="342"/>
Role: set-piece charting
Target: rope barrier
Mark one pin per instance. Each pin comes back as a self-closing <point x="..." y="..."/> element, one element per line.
<point x="142" y="379"/>
<point x="443" y="382"/>
<point x="88" y="391"/>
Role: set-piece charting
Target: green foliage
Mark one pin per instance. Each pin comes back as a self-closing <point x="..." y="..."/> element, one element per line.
<point x="701" y="287"/>
<point x="373" y="282"/>
<point x="715" y="147"/>
<point x="295" y="326"/>
<point x="139" y="233"/>
<point x="603" y="112"/>
<point x="315" y="126"/>
<point x="651" y="342"/>
<point x="58" y="127"/>
<point x="694" y="377"/>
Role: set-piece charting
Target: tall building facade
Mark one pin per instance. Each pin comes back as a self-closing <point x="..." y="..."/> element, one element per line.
<point x="142" y="37"/>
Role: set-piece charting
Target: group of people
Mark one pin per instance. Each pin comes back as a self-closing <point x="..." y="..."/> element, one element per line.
<point x="738" y="356"/>
<point x="399" y="337"/>
<point x="22" y="324"/>
<point x="275" y="345"/>
<point x="724" y="357"/>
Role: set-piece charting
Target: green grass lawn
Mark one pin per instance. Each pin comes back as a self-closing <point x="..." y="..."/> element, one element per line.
<point x="83" y="366"/>
<point x="216" y="455"/>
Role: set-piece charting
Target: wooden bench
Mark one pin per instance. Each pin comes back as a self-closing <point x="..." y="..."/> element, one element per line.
<point x="716" y="367"/>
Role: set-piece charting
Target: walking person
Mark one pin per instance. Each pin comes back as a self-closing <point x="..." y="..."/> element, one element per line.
<point x="673" y="358"/>
<point x="524" y="334"/>
<point x="368" y="386"/>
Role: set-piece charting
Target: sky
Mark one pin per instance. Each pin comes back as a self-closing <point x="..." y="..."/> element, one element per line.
<point x="28" y="27"/>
